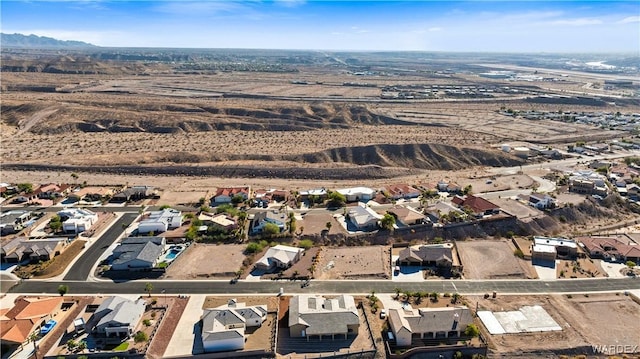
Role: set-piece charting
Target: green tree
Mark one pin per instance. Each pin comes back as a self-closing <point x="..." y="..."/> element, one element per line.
<point x="434" y="296"/>
<point x="328" y="225"/>
<point x="292" y="223"/>
<point x="253" y="247"/>
<point x="630" y="264"/>
<point x="55" y="224"/>
<point x="455" y="298"/>
<point x="237" y="199"/>
<point x="305" y="243"/>
<point x="63" y="289"/>
<point x="33" y="337"/>
<point x="336" y="199"/>
<point x="82" y="345"/>
<point x="271" y="229"/>
<point x="140" y="337"/>
<point x="387" y="221"/>
<point x="148" y="287"/>
<point x="25" y="187"/>
<point x="398" y="291"/>
<point x="471" y="330"/>
<point x="467" y="189"/>
<point x="165" y="206"/>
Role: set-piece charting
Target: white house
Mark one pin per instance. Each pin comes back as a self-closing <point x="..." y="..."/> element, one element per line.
<point x="76" y="220"/>
<point x="541" y="201"/>
<point x="357" y="194"/>
<point x="160" y="221"/>
<point x="279" y="256"/>
<point x="223" y="328"/>
<point x="363" y="217"/>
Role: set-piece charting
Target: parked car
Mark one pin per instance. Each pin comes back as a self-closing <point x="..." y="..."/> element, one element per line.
<point x="383" y="313"/>
<point x="46" y="328"/>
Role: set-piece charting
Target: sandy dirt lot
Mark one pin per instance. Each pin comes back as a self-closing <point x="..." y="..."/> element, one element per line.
<point x="594" y="320"/>
<point x="580" y="268"/>
<point x="503" y="263"/>
<point x="204" y="256"/>
<point x="354" y="262"/>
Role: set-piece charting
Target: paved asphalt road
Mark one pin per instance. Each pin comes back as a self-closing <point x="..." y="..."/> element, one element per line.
<point x="353" y="287"/>
<point x="82" y="267"/>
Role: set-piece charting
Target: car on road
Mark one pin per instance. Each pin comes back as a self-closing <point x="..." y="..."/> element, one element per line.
<point x="46" y="328"/>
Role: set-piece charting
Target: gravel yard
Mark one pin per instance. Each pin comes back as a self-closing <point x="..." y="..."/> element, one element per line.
<point x="354" y="262"/>
<point x="503" y="263"/>
<point x="203" y="261"/>
<point x="586" y="320"/>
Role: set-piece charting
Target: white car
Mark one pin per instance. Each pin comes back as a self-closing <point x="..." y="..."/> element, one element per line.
<point x="383" y="313"/>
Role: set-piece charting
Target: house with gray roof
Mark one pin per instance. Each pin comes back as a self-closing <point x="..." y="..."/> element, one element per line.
<point x="428" y="323"/>
<point x="223" y="328"/>
<point x="261" y="219"/>
<point x="430" y="255"/>
<point x="117" y="316"/>
<point x="316" y="316"/>
<point x="34" y="250"/>
<point x="138" y="253"/>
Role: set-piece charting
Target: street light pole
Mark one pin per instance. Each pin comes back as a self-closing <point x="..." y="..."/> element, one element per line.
<point x="164" y="298"/>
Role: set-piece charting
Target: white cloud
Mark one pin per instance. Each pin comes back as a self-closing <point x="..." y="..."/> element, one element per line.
<point x="434" y="29"/>
<point x="290" y="3"/>
<point x="629" y="19"/>
<point x="199" y="7"/>
<point x="578" y="22"/>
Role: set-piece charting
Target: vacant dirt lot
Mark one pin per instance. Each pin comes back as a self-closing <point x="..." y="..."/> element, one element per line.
<point x="518" y="209"/>
<point x="607" y="319"/>
<point x="207" y="260"/>
<point x="354" y="262"/>
<point x="503" y="263"/>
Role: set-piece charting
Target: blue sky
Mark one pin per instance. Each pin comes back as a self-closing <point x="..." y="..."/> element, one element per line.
<point x="492" y="26"/>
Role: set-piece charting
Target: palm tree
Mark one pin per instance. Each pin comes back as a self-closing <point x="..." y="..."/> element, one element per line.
<point x="33" y="337"/>
<point x="397" y="290"/>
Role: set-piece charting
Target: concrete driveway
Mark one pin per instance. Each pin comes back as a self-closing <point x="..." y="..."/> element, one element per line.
<point x="182" y="342"/>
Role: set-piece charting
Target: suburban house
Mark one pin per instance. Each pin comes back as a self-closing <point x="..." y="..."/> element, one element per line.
<point x="279" y="256"/>
<point x="26" y="315"/>
<point x="363" y="217"/>
<point x="439" y="209"/>
<point x="428" y="323"/>
<point x="451" y="187"/>
<point x="13" y="221"/>
<point x="160" y="221"/>
<point x="223" y="328"/>
<point x="429" y="255"/>
<point x="90" y="194"/>
<point x="226" y="194"/>
<point x="22" y="249"/>
<point x="320" y="193"/>
<point x="357" y="194"/>
<point x="133" y="193"/>
<point x="261" y="219"/>
<point x="408" y="216"/>
<point x="541" y="201"/>
<point x="138" y="253"/>
<point x="118" y="316"/>
<point x="588" y="182"/>
<point x="77" y="220"/>
<point x="398" y="191"/>
<point x="52" y="190"/>
<point x="547" y="248"/>
<point x="614" y="249"/>
<point x="477" y="205"/>
<point x="220" y="220"/>
<point x="270" y="195"/>
<point x="316" y="316"/>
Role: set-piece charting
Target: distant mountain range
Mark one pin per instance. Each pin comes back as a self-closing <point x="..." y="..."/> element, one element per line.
<point x="33" y="41"/>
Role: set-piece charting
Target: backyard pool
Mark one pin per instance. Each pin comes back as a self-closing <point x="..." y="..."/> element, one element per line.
<point x="171" y="255"/>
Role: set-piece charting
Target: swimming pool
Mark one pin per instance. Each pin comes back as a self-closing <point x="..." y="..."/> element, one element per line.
<point x="173" y="253"/>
